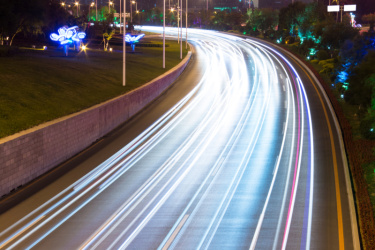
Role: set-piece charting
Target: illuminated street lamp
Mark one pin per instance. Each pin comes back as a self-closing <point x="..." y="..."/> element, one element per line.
<point x="77" y="4"/>
<point x="91" y="5"/>
<point x="124" y="49"/>
<point x="186" y="22"/>
<point x="181" y="33"/>
<point x="109" y="6"/>
<point x="131" y="10"/>
<point x="120" y="18"/>
<point x="163" y="34"/>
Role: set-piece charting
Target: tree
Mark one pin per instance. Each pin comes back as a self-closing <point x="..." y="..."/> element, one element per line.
<point x="370" y="18"/>
<point x="108" y="31"/>
<point x="265" y="19"/>
<point x="291" y="17"/>
<point x="18" y="16"/>
<point x="219" y="21"/>
<point x="361" y="89"/>
<point x="335" y="34"/>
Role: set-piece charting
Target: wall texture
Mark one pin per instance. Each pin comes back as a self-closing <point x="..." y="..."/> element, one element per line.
<point x="31" y="153"/>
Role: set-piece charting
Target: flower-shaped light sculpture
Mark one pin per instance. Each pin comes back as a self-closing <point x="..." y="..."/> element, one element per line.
<point x="133" y="39"/>
<point x="68" y="35"/>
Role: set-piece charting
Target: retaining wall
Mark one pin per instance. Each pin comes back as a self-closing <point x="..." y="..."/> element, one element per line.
<point x="31" y="153"/>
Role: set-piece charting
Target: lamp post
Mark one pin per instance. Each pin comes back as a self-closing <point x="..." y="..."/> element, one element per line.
<point x="178" y="21"/>
<point x="181" y="33"/>
<point x="131" y="11"/>
<point x="91" y="5"/>
<point x="186" y="12"/>
<point x="163" y="34"/>
<point x="77" y="4"/>
<point x="96" y="10"/>
<point x="124" y="49"/>
<point x="109" y="6"/>
<point x="120" y="18"/>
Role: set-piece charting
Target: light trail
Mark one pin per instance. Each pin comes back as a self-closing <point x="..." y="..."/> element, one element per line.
<point x="304" y="100"/>
<point x="224" y="118"/>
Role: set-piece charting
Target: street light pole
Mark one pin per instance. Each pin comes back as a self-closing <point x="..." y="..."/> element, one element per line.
<point x="186" y="22"/>
<point x="163" y="34"/>
<point x="76" y="3"/>
<point x="131" y="11"/>
<point x="91" y="5"/>
<point x="124" y="49"/>
<point x="181" y="32"/>
<point x="120" y="18"/>
<point x="96" y="11"/>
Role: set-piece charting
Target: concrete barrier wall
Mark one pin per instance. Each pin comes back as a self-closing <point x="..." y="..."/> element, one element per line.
<point x="31" y="153"/>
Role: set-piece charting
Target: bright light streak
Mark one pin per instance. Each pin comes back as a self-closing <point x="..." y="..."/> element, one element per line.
<point x="229" y="100"/>
<point x="300" y="86"/>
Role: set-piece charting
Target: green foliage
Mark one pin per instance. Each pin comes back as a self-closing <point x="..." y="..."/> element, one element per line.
<point x="362" y="83"/>
<point x="367" y="127"/>
<point x="335" y="34"/>
<point x="322" y="55"/>
<point x="264" y="20"/>
<point x="327" y="65"/>
<point x="291" y="17"/>
<point x="289" y="40"/>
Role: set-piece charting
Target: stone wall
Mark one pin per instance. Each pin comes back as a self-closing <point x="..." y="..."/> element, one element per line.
<point x="31" y="153"/>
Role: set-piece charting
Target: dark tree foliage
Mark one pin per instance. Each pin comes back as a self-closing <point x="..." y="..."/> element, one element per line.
<point x="21" y="16"/>
<point x="361" y="87"/>
<point x="291" y="17"/>
<point x="335" y="34"/>
<point x="31" y="18"/>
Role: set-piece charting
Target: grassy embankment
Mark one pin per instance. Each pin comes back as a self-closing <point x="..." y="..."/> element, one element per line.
<point x="38" y="86"/>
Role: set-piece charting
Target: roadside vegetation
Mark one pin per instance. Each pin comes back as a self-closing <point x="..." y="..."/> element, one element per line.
<point x="42" y="85"/>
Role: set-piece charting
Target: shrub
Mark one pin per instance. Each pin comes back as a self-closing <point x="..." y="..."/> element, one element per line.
<point x="367" y="127"/>
<point x="289" y="40"/>
<point x="322" y="55"/>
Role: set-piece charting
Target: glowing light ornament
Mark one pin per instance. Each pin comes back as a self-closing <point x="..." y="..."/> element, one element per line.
<point x="67" y="36"/>
<point x="133" y="39"/>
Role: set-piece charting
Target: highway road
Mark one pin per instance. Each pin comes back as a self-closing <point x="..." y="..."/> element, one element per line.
<point x="242" y="152"/>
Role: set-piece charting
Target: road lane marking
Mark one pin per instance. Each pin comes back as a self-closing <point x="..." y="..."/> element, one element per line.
<point x="175" y="232"/>
<point x="334" y="159"/>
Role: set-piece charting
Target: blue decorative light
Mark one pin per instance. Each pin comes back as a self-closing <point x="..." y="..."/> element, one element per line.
<point x="342" y="76"/>
<point x="68" y="35"/>
<point x="133" y="39"/>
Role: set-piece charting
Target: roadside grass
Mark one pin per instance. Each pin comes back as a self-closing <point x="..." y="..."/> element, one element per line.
<point x="38" y="86"/>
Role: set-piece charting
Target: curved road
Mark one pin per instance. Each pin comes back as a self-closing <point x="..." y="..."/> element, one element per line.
<point x="241" y="152"/>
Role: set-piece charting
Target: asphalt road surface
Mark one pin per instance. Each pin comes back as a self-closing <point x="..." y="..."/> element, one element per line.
<point x="242" y="152"/>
